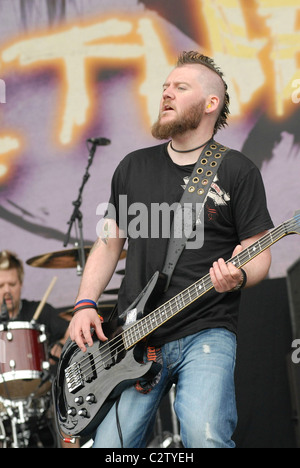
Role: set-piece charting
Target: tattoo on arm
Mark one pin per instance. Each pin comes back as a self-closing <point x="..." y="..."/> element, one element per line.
<point x="104" y="236"/>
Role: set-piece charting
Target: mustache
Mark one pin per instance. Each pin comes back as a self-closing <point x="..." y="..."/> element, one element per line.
<point x="7" y="296"/>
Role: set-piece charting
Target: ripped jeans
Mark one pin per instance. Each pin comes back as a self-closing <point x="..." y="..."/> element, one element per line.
<point x="202" y="365"/>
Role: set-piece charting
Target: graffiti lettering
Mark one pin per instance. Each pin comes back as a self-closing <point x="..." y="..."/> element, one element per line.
<point x="244" y="59"/>
<point x="234" y="52"/>
<point x="138" y="42"/>
<point x="285" y="46"/>
<point x="7" y="146"/>
<point x="139" y="45"/>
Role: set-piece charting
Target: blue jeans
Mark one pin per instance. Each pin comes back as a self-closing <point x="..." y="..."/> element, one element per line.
<point x="203" y="366"/>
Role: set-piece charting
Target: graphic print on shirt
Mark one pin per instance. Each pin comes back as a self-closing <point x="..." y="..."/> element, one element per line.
<point x="215" y="193"/>
<point x="186" y="181"/>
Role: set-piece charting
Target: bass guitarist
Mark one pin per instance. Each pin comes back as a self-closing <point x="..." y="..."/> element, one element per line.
<point x="197" y="347"/>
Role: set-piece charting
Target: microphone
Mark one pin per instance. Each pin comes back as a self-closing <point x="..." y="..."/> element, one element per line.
<point x="99" y="141"/>
<point x="4" y="316"/>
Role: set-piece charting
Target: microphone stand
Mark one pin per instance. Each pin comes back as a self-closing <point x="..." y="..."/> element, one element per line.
<point x="77" y="217"/>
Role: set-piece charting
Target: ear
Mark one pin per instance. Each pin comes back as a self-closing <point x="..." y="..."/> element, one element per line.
<point x="212" y="104"/>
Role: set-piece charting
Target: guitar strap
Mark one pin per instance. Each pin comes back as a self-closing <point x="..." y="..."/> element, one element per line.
<point x="191" y="205"/>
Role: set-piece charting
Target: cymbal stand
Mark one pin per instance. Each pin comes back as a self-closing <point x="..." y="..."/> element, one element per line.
<point x="3" y="440"/>
<point x="20" y="434"/>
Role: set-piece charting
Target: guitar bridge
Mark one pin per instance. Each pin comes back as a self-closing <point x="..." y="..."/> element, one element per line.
<point x="74" y="377"/>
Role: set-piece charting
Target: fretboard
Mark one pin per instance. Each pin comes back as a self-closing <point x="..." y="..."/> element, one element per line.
<point x="165" y="312"/>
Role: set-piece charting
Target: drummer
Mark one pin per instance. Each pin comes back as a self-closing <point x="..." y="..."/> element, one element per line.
<point x="22" y="310"/>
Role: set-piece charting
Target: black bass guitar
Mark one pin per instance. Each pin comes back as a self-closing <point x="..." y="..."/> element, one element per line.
<point x="87" y="384"/>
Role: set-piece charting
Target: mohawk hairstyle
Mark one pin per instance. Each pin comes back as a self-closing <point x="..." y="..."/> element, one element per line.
<point x="191" y="58"/>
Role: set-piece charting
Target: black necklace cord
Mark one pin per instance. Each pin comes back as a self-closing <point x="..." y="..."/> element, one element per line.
<point x="191" y="150"/>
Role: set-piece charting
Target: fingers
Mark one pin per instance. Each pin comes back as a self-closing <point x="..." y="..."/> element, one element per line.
<point x="225" y="276"/>
<point x="81" y="325"/>
<point x="237" y="250"/>
<point x="99" y="330"/>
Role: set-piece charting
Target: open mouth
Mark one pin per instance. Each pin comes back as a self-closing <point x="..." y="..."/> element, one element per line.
<point x="167" y="108"/>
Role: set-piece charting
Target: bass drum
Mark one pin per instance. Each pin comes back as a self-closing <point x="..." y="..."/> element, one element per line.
<point x="23" y="361"/>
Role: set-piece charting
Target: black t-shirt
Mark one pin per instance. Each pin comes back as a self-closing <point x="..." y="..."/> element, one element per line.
<point x="235" y="210"/>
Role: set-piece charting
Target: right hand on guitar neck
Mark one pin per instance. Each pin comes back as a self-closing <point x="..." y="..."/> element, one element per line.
<point x="80" y="328"/>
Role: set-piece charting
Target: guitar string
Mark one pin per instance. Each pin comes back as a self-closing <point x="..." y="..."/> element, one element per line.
<point x="117" y="344"/>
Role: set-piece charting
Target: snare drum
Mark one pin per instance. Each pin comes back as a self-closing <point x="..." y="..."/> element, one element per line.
<point x="25" y="359"/>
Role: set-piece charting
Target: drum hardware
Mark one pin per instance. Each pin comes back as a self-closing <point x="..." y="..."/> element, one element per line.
<point x="43" y="337"/>
<point x="12" y="364"/>
<point x="45" y="365"/>
<point x="3" y="439"/>
<point x="21" y="420"/>
<point x="9" y="336"/>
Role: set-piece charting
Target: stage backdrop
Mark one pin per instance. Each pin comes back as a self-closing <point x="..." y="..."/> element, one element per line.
<point x="72" y="70"/>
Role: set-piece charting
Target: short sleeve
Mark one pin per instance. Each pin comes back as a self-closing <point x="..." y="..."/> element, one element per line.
<point x="250" y="205"/>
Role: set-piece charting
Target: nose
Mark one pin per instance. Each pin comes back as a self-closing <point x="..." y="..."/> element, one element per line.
<point x="168" y="93"/>
<point x="6" y="290"/>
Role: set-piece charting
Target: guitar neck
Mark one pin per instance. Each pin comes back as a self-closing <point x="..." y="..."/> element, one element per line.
<point x="165" y="312"/>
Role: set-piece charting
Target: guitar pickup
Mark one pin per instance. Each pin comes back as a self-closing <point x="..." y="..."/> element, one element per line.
<point x="90" y="369"/>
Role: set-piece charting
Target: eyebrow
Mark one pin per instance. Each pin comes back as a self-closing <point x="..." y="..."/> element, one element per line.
<point x="177" y="83"/>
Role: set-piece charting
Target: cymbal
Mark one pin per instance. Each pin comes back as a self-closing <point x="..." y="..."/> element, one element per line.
<point x="62" y="259"/>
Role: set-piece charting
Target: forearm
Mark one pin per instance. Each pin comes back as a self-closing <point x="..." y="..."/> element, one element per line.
<point x="99" y="268"/>
<point x="96" y="275"/>
<point x="98" y="271"/>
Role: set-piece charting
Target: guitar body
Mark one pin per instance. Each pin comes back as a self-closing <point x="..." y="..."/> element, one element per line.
<point x="87" y="384"/>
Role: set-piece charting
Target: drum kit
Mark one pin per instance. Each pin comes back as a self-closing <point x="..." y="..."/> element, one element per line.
<point x="24" y="384"/>
<point x="25" y="380"/>
<point x="26" y="408"/>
